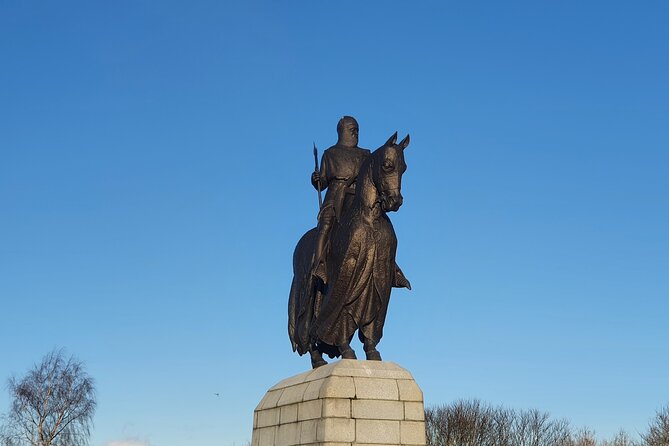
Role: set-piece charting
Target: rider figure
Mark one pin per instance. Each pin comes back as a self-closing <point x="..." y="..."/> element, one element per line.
<point x="339" y="169"/>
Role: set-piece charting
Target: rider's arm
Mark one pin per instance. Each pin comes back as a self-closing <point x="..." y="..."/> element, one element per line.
<point x="323" y="174"/>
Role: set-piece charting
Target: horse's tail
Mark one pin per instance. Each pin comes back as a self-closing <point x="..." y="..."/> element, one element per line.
<point x="302" y="294"/>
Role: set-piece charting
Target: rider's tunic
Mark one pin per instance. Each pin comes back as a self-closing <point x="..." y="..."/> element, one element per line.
<point x="339" y="169"/>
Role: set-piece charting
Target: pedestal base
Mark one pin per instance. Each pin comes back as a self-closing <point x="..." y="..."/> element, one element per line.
<point x="346" y="403"/>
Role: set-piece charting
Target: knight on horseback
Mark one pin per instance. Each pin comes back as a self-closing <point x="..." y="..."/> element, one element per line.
<point x="331" y="297"/>
<point x="339" y="169"/>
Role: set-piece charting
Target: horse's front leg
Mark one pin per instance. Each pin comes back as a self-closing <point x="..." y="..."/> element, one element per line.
<point x="316" y="357"/>
<point x="346" y="351"/>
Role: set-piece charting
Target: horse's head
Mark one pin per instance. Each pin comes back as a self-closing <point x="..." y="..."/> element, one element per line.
<point x="387" y="169"/>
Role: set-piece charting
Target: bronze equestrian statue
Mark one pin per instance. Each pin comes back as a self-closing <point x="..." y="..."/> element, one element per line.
<point x="344" y="269"/>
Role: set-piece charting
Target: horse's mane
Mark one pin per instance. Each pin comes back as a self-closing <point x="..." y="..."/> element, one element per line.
<point x="365" y="170"/>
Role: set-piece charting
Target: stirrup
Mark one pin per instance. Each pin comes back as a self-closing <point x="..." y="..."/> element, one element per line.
<point x="319" y="271"/>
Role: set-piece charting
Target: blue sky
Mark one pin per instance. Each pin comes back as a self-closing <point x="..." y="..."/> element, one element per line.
<point x="154" y="179"/>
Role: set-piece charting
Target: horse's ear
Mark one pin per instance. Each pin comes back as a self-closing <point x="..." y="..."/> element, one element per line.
<point x="405" y="142"/>
<point x="392" y="140"/>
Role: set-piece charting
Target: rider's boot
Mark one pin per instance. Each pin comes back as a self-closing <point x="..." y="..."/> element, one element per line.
<point x="400" y="280"/>
<point x="325" y="221"/>
<point x="371" y="352"/>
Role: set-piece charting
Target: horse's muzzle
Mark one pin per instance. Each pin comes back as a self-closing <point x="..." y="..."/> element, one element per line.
<point x="391" y="202"/>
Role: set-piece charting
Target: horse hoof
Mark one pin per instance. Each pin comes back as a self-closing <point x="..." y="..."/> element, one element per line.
<point x="318" y="363"/>
<point x="348" y="353"/>
<point x="373" y="355"/>
<point x="317" y="360"/>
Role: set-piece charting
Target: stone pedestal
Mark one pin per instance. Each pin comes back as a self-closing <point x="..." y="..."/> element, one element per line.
<point x="345" y="403"/>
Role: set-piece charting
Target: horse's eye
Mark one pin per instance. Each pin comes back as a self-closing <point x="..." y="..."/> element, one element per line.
<point x="388" y="165"/>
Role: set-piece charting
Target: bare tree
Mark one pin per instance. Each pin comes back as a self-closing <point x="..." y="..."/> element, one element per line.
<point x="462" y="423"/>
<point x="622" y="438"/>
<point x="53" y="405"/>
<point x="658" y="430"/>
<point x="585" y="437"/>
<point x="560" y="433"/>
<point x="472" y="423"/>
<point x="531" y="428"/>
<point x="535" y="428"/>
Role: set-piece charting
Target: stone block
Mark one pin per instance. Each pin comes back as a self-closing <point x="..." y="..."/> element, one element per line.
<point x="287" y="435"/>
<point x="324" y="371"/>
<point x="270" y="399"/>
<point x="383" y="369"/>
<point x="376" y="389"/>
<point x="266" y="436"/>
<point x="292" y="381"/>
<point x="308" y="431"/>
<point x="288" y="414"/>
<point x="377" y="431"/>
<point x="374" y="444"/>
<point x="313" y="390"/>
<point x="338" y="387"/>
<point x="412" y="432"/>
<point x="414" y="411"/>
<point x="377" y="410"/>
<point x="268" y="417"/>
<point x="336" y="430"/>
<point x="330" y="443"/>
<point x="293" y="394"/>
<point x="409" y="390"/>
<point x="308" y="410"/>
<point x="336" y="408"/>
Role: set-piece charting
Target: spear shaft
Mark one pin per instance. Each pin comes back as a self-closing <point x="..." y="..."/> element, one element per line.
<point x="320" y="194"/>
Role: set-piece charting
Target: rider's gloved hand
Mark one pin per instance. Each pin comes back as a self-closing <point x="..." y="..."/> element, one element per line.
<point x="315" y="177"/>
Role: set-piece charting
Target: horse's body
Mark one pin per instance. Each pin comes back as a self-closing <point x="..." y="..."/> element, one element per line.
<point x="361" y="266"/>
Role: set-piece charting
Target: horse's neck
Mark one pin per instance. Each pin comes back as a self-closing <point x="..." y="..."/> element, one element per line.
<point x="367" y="199"/>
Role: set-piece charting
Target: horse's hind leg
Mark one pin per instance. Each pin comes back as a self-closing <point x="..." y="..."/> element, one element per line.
<point x="371" y="352"/>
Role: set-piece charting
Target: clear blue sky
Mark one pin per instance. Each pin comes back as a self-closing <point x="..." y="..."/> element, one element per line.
<point x="154" y="178"/>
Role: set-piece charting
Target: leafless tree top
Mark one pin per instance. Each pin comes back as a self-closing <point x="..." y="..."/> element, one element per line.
<point x="658" y="430"/>
<point x="52" y="405"/>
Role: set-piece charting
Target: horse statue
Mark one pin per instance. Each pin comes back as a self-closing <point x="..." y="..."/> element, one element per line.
<point x="361" y="268"/>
